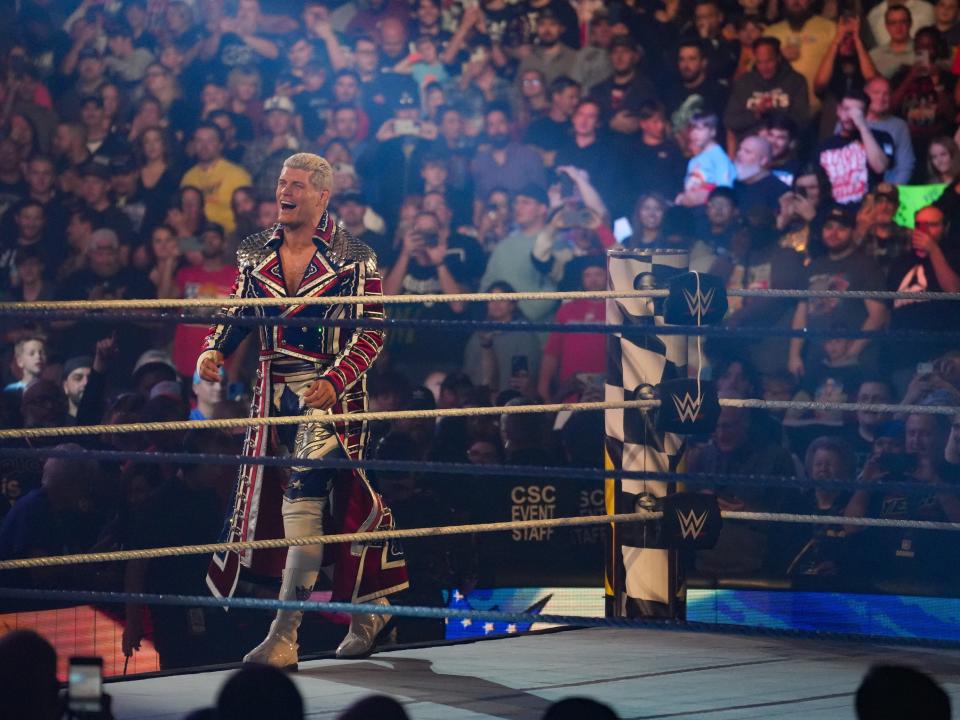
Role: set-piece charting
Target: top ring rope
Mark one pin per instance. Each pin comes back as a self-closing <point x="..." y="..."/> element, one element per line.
<point x="169" y="304"/>
<point x="228" y="423"/>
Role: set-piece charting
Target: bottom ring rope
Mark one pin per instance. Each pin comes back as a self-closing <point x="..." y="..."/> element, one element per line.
<point x="446" y="530"/>
<point x="415" y="611"/>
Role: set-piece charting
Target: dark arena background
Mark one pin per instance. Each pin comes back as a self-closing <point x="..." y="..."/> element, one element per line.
<point x="606" y="363"/>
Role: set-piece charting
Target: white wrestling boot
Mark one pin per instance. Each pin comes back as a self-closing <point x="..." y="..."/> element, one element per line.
<point x="362" y="636"/>
<point x="280" y="648"/>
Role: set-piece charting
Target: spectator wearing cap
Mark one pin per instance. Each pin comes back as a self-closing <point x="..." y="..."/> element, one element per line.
<point x="265" y="155"/>
<point x="621" y="95"/>
<point x="73" y="380"/>
<point x="551" y="56"/>
<point x="215" y="177"/>
<point x="152" y="368"/>
<point x="879" y="117"/>
<point x="838" y="264"/>
<point x="756" y="185"/>
<point x="83" y="65"/>
<point x="560" y="10"/>
<point x="127" y="64"/>
<point x="512" y="259"/>
<point x="856" y="156"/>
<point x="352" y="210"/>
<point x="95" y="179"/>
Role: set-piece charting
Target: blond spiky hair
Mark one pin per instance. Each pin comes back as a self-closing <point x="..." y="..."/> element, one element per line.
<point x="321" y="174"/>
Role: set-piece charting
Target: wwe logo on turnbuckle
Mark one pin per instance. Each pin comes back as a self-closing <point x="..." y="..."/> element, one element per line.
<point x="688" y="408"/>
<point x="698" y="303"/>
<point x="691" y="524"/>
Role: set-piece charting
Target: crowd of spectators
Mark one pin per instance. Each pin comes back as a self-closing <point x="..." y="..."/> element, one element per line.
<point x="496" y="145"/>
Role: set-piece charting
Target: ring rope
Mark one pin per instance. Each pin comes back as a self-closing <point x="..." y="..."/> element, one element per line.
<point x="359" y="537"/>
<point x="447" y="530"/>
<point x="385" y="415"/>
<point x="491" y="470"/>
<point x="173" y="303"/>
<point x="390" y="415"/>
<point x="512" y="326"/>
<point x="415" y="611"/>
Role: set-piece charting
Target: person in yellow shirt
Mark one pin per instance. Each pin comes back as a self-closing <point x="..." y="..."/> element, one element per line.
<point x="214" y="176"/>
<point x="804" y="39"/>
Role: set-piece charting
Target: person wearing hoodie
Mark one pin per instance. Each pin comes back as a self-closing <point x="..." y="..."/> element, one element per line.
<point x="772" y="86"/>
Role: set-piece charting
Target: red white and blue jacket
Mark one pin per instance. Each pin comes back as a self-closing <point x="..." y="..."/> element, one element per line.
<point x="342" y="266"/>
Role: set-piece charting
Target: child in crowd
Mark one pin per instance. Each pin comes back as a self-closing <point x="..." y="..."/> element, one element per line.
<point x="709" y="166"/>
<point x="424" y="64"/>
<point x="30" y="357"/>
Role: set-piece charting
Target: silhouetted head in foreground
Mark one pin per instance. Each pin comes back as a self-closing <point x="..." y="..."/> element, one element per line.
<point x="896" y="692"/>
<point x="380" y="707"/>
<point x="578" y="708"/>
<point x="259" y="691"/>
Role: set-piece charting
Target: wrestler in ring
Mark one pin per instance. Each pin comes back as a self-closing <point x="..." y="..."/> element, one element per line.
<point x="307" y="370"/>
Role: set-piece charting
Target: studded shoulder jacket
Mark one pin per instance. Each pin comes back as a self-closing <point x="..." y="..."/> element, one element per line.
<point x="341" y="266"/>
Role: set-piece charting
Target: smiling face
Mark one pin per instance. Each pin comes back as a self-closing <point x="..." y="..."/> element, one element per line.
<point x="940" y="158"/>
<point x="299" y="201"/>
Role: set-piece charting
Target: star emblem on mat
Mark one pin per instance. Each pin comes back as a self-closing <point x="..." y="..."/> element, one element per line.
<point x="487" y="628"/>
<point x="511" y="628"/>
<point x="466" y="622"/>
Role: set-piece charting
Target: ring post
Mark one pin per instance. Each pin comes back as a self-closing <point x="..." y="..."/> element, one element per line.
<point x="643" y="578"/>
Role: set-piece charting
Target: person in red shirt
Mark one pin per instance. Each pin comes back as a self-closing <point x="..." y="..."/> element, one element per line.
<point x="574" y="363"/>
<point x="213" y="278"/>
